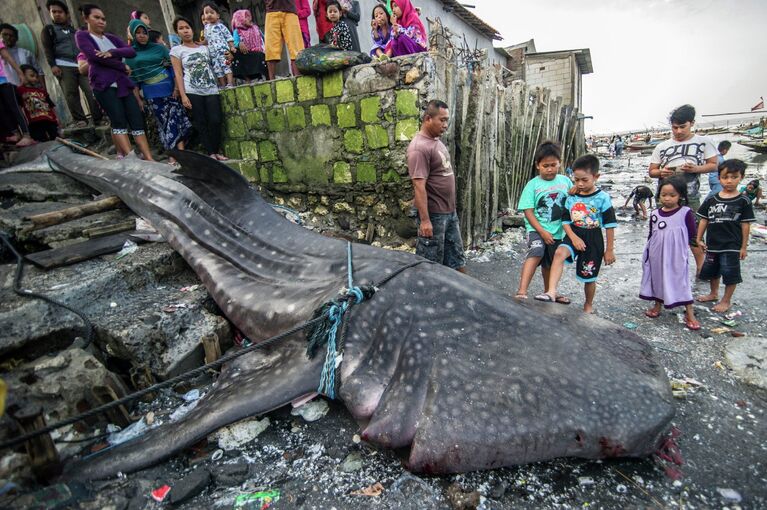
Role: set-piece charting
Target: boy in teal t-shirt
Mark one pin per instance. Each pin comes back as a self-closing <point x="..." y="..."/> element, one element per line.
<point x="542" y="203"/>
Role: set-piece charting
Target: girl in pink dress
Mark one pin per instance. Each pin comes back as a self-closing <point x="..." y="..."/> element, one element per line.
<point x="665" y="274"/>
<point x="408" y="33"/>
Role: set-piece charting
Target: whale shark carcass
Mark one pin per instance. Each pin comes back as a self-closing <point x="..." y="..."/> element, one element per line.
<point x="436" y="362"/>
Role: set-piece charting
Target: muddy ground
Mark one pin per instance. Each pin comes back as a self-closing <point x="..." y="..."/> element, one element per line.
<point x="321" y="464"/>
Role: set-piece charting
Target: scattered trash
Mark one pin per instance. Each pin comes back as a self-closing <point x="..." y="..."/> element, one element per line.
<point x="257" y="500"/>
<point x="720" y="331"/>
<point x="8" y="487"/>
<point x="174" y="307"/>
<point x="585" y="481"/>
<point x="160" y="493"/>
<point x="312" y="411"/>
<point x="352" y="463"/>
<point x="149" y="418"/>
<point x="241" y="433"/>
<point x="128" y="248"/>
<point x="737" y="334"/>
<point x="191" y="395"/>
<point x="630" y="325"/>
<point x="356" y="439"/>
<point x="217" y="455"/>
<point x="741" y="403"/>
<point x="182" y="411"/>
<point x="461" y="500"/>
<point x="732" y="315"/>
<point x="729" y="322"/>
<point x="190" y="486"/>
<point x="57" y="496"/>
<point x="132" y="431"/>
<point x="719" y="365"/>
<point x="680" y="388"/>
<point x="621" y="489"/>
<point x="190" y="288"/>
<point x="374" y="490"/>
<point x="729" y="494"/>
<point x="112" y="305"/>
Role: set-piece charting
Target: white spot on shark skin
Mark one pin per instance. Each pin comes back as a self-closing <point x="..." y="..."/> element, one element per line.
<point x="207" y="232"/>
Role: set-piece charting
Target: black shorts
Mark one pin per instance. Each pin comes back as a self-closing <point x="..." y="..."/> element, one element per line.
<point x="539" y="249"/>
<point x="725" y="265"/>
<point x="588" y="261"/>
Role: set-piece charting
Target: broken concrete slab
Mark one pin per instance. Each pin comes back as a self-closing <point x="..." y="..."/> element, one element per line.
<point x="748" y="359"/>
<point x="189" y="486"/>
<point x="62" y="385"/>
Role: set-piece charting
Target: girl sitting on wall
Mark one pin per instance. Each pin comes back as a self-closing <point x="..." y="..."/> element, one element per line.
<point x="249" y="60"/>
<point x="339" y="36"/>
<point x="408" y="33"/>
<point x="380" y="30"/>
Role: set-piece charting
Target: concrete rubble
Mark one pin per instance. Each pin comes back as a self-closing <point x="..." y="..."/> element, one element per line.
<point x="150" y="313"/>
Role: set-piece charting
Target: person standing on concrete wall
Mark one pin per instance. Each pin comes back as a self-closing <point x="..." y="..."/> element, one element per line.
<point x="282" y="27"/>
<point x="58" y="41"/>
<point x="428" y="162"/>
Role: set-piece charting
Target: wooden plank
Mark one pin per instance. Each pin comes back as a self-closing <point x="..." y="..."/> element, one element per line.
<point x="48" y="219"/>
<point x="79" y="252"/>
<point x="115" y="228"/>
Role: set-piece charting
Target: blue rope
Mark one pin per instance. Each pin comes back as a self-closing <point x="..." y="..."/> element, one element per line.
<point x="334" y="313"/>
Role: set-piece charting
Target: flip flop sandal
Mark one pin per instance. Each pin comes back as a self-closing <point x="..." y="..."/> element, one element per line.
<point x="692" y="325"/>
<point x="563" y="300"/>
<point x="545" y="298"/>
<point x="652" y="313"/>
<point x="520" y="296"/>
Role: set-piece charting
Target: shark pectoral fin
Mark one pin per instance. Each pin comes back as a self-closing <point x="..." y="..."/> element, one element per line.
<point x="251" y="385"/>
<point x="395" y="420"/>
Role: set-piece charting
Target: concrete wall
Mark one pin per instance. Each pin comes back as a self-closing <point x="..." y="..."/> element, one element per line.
<point x="333" y="147"/>
<point x="556" y="74"/>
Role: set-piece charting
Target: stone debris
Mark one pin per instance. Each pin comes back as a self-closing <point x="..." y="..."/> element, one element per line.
<point x="311" y="411"/>
<point x="189" y="486"/>
<point x="239" y="434"/>
<point x="353" y="462"/>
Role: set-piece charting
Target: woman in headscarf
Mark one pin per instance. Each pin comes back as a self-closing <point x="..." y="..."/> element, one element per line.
<point x="408" y="33"/>
<point x="109" y="80"/>
<point x="150" y="70"/>
<point x="249" y="60"/>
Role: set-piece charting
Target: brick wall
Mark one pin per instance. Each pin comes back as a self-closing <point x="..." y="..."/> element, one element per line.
<point x="555" y="75"/>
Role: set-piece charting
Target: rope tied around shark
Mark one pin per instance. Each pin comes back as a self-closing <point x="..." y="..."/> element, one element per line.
<point x="332" y="319"/>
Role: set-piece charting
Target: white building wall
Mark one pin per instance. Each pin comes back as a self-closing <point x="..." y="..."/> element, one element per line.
<point x="555" y="74"/>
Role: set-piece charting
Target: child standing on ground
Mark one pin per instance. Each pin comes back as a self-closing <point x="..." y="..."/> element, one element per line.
<point x="665" y="278"/>
<point x="38" y="106"/>
<point x="542" y="203"/>
<point x="220" y="42"/>
<point x="586" y="214"/>
<point x="338" y="36"/>
<point x="726" y="220"/>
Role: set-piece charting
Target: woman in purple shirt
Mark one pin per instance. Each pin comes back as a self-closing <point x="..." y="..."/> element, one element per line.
<point x="109" y="80"/>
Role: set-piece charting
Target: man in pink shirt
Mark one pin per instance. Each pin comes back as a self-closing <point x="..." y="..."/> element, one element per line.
<point x="428" y="163"/>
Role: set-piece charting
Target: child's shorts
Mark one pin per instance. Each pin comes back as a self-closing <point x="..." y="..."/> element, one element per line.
<point x="588" y="261"/>
<point x="537" y="248"/>
<point x="220" y="68"/>
<point x="725" y="265"/>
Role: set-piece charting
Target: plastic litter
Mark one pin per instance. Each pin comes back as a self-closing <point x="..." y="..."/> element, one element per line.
<point x="585" y="481"/>
<point x="128" y="248"/>
<point x="181" y="411"/>
<point x="311" y="411"/>
<point x="191" y="395"/>
<point x="174" y="307"/>
<point x="160" y="493"/>
<point x="729" y="494"/>
<point x="132" y="431"/>
<point x="630" y="325"/>
<point x="729" y="322"/>
<point x="680" y="388"/>
<point x="257" y="500"/>
<point x="732" y="315"/>
<point x="241" y="433"/>
<point x="720" y="331"/>
<point x="190" y="288"/>
<point x="373" y="491"/>
<point x="217" y="455"/>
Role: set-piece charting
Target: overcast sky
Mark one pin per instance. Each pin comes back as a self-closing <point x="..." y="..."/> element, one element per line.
<point x="649" y="55"/>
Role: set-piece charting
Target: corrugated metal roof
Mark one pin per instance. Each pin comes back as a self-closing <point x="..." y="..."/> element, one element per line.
<point x="472" y="19"/>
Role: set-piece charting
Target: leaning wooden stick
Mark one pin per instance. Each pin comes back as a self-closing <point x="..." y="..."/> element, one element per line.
<point x="80" y="149"/>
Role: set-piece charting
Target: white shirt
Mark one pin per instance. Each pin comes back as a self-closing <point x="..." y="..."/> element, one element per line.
<point x="198" y="75"/>
<point x="695" y="151"/>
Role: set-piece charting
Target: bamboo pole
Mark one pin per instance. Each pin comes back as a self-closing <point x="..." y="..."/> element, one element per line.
<point x="48" y="219"/>
<point x="78" y="148"/>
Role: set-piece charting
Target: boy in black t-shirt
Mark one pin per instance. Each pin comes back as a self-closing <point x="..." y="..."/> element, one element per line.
<point x="727" y="216"/>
